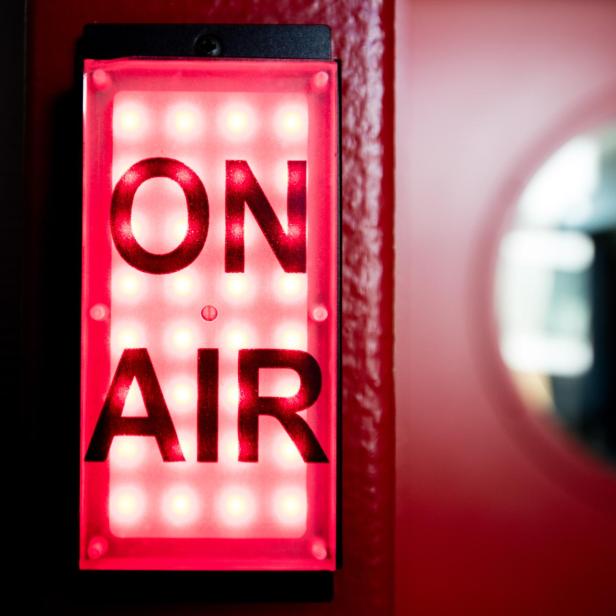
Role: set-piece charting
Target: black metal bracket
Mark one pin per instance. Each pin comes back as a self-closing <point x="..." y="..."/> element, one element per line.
<point x="108" y="41"/>
<point x="284" y="41"/>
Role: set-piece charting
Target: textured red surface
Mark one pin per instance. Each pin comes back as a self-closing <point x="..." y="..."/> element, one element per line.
<point x="363" y="40"/>
<point x="491" y="519"/>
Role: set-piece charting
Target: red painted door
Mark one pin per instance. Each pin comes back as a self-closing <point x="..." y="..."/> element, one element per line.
<point x="491" y="518"/>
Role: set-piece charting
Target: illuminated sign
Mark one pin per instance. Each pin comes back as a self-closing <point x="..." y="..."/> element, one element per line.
<point x="209" y="314"/>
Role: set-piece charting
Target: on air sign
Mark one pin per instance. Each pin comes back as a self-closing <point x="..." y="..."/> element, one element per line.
<point x="209" y="314"/>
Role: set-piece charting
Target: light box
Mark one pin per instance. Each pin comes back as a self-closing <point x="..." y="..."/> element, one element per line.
<point x="209" y="315"/>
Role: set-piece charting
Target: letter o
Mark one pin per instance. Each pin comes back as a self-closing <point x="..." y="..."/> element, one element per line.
<point x="122" y="205"/>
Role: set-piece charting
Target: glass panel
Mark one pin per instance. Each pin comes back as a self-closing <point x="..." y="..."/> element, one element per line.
<point x="209" y="324"/>
<point x="556" y="291"/>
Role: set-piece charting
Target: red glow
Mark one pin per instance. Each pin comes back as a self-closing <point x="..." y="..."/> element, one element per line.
<point x="184" y="122"/>
<point x="127" y="506"/>
<point x="210" y="236"/>
<point x="181" y="505"/>
<point x="237" y="121"/>
<point x="289" y="506"/>
<point x="236" y="506"/>
<point x="130" y="120"/>
<point x="291" y="122"/>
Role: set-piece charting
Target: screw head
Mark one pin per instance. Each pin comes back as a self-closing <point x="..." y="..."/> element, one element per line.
<point x="209" y="312"/>
<point x="319" y="549"/>
<point x="207" y="45"/>
<point x="319" y="313"/>
<point x="101" y="79"/>
<point x="97" y="547"/>
<point x="320" y="80"/>
<point x="99" y="312"/>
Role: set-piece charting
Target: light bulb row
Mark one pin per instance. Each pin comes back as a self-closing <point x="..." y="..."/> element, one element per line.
<point x="130" y="286"/>
<point x="180" y="339"/>
<point x="135" y="120"/>
<point x="233" y="506"/>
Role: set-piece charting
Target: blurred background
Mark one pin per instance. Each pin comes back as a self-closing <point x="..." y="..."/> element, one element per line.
<point x="554" y="290"/>
<point x="505" y="280"/>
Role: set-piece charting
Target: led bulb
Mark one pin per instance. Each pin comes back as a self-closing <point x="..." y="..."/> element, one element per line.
<point x="290" y="288"/>
<point x="289" y="506"/>
<point x="230" y="449"/>
<point x="127" y="452"/>
<point x="180" y="339"/>
<point x="184" y="122"/>
<point x="291" y="122"/>
<point x="286" y="454"/>
<point x="284" y="386"/>
<point x="235" y="336"/>
<point x="188" y="440"/>
<point x="238" y="288"/>
<point x="181" y="287"/>
<point x="291" y="336"/>
<point x="237" y="122"/>
<point x="180" y="505"/>
<point x="130" y="121"/>
<point x="236" y="506"/>
<point x="183" y="394"/>
<point x="127" y="335"/>
<point x="176" y="228"/>
<point x="230" y="395"/>
<point x="127" y="505"/>
<point x="128" y="285"/>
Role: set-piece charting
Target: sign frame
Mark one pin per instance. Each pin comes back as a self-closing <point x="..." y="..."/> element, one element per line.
<point x="108" y="41"/>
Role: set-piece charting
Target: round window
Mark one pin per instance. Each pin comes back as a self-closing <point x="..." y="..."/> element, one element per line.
<point x="555" y="291"/>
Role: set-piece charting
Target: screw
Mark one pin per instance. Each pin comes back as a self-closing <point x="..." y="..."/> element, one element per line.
<point x="319" y="313"/>
<point x="97" y="548"/>
<point x="320" y="80"/>
<point x="209" y="313"/>
<point x="101" y="79"/>
<point x="319" y="549"/>
<point x="99" y="312"/>
<point x="207" y="45"/>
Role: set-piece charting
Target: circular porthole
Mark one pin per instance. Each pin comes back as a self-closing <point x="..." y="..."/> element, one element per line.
<point x="555" y="291"/>
<point x="549" y="308"/>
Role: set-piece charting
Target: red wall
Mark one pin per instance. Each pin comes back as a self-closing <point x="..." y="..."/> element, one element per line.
<point x="363" y="39"/>
<point x="494" y="515"/>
